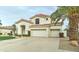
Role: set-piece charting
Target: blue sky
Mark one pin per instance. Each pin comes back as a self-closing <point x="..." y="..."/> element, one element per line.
<point x="10" y="14"/>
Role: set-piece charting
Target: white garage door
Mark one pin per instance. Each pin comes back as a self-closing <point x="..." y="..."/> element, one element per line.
<point x="39" y="32"/>
<point x="55" y="33"/>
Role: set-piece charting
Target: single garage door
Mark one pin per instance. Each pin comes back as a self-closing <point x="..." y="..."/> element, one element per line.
<point x="55" y="32"/>
<point x="39" y="32"/>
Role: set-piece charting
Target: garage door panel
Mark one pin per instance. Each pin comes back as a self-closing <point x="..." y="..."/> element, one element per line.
<point x="54" y="33"/>
<point x="40" y="33"/>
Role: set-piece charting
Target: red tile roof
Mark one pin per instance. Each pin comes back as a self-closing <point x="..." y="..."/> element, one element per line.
<point x="40" y="15"/>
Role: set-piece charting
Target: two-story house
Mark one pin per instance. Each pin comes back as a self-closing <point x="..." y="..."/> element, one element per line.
<point x="39" y="25"/>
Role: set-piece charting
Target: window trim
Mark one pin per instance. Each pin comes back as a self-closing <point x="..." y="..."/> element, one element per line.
<point x="37" y="21"/>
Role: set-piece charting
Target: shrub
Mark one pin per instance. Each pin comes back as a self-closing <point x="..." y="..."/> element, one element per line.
<point x="0" y="33"/>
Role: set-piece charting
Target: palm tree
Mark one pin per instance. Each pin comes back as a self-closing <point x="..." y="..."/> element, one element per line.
<point x="72" y="13"/>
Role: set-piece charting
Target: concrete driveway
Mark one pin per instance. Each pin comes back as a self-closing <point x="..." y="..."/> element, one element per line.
<point x="31" y="44"/>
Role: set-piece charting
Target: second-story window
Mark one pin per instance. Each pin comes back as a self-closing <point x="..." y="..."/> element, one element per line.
<point x="46" y="18"/>
<point x="37" y="21"/>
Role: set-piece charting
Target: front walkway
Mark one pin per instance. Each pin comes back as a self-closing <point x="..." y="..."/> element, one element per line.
<point x="31" y="44"/>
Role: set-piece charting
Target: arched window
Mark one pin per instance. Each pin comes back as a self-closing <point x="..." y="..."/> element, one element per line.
<point x="37" y="21"/>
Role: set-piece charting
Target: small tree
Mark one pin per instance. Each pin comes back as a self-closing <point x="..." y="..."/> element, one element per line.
<point x="14" y="29"/>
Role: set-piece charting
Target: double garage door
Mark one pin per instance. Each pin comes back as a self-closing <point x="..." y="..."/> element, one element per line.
<point x="44" y="33"/>
<point x="39" y="32"/>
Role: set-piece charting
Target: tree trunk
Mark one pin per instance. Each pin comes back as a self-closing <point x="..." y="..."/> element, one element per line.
<point x="14" y="29"/>
<point x="73" y="27"/>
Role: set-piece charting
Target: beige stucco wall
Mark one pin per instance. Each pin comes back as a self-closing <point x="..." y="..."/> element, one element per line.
<point x="39" y="28"/>
<point x="56" y="27"/>
<point x="42" y="20"/>
<point x="18" y="28"/>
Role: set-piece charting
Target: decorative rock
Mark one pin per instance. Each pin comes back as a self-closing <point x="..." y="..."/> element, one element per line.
<point x="74" y="43"/>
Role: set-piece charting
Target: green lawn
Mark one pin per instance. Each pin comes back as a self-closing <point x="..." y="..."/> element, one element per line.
<point x="6" y="37"/>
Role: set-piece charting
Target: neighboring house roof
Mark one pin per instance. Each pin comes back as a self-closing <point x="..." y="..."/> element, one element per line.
<point x="39" y="15"/>
<point x="6" y="27"/>
<point x="24" y="21"/>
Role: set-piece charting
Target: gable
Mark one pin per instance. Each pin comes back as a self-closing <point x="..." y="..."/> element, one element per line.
<point x="46" y="20"/>
<point x="23" y="23"/>
<point x="23" y="20"/>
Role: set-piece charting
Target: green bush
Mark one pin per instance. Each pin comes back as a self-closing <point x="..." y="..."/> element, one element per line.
<point x="0" y="33"/>
<point x="23" y="34"/>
